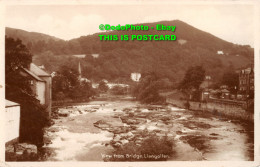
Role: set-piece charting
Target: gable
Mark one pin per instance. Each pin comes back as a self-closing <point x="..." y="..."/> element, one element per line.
<point x="38" y="71"/>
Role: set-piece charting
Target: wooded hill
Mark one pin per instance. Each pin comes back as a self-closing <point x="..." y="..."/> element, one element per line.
<point x="118" y="59"/>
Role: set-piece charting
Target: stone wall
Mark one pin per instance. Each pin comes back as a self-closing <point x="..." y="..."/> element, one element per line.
<point x="234" y="111"/>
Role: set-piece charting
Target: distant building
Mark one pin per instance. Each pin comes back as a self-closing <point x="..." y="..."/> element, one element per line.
<point x="84" y="80"/>
<point x="12" y="122"/>
<point x="79" y="56"/>
<point x="225" y="94"/>
<point x="182" y="41"/>
<point x="220" y="52"/>
<point x="40" y="84"/>
<point x="95" y="85"/>
<point x="246" y="81"/>
<point x="223" y="87"/>
<point x="104" y="80"/>
<point x="136" y="77"/>
<point x="205" y="95"/>
<point x="111" y="85"/>
<point x="95" y="55"/>
<point x="207" y="82"/>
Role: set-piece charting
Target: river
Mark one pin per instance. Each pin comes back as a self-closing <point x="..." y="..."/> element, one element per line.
<point x="92" y="131"/>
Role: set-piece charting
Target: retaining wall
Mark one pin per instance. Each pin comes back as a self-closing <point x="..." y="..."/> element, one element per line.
<point x="234" y="111"/>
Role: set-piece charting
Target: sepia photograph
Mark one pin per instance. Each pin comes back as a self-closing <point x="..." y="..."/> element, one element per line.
<point x="132" y="81"/>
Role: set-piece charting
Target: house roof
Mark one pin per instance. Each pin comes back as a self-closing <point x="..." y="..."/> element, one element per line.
<point x="248" y="70"/>
<point x="9" y="103"/>
<point x="38" y="71"/>
<point x="224" y="91"/>
<point x="33" y="75"/>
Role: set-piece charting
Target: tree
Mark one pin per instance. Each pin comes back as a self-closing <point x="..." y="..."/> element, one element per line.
<point x="194" y="76"/>
<point x="119" y="90"/>
<point x="102" y="86"/>
<point x="147" y="91"/>
<point x="33" y="115"/>
<point x="17" y="55"/>
<point x="82" y="91"/>
<point x="64" y="82"/>
<point x="231" y="79"/>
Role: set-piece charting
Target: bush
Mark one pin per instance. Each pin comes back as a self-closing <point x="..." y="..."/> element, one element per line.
<point x="147" y="91"/>
<point x="60" y="96"/>
<point x="102" y="86"/>
<point x="119" y="90"/>
<point x="187" y="105"/>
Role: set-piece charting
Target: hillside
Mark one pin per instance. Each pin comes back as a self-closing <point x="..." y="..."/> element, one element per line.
<point x="34" y="40"/>
<point x="117" y="59"/>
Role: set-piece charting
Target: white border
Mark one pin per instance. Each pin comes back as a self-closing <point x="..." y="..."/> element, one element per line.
<point x="254" y="163"/>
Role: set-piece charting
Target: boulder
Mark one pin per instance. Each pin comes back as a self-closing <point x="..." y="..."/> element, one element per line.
<point x="25" y="147"/>
<point x="102" y="125"/>
<point x="53" y="129"/>
<point x="117" y="138"/>
<point x="21" y="152"/>
<point x="63" y="114"/>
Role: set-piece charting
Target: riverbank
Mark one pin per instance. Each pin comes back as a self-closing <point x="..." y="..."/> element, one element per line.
<point x="228" y="111"/>
<point x="66" y="103"/>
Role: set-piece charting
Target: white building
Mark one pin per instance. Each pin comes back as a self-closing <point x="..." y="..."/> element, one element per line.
<point x="79" y="56"/>
<point x="40" y="82"/>
<point x="95" y="55"/>
<point x="111" y="85"/>
<point x="12" y="121"/>
<point x="220" y="52"/>
<point x="136" y="77"/>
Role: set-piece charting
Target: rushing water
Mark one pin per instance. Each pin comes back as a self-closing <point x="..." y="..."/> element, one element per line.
<point x="198" y="136"/>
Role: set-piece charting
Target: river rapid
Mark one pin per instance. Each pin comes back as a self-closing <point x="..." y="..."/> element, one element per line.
<point x="92" y="131"/>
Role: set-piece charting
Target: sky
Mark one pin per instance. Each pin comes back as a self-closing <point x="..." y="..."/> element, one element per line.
<point x="231" y="22"/>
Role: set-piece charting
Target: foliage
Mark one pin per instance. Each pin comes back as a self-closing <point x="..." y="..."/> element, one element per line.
<point x="66" y="85"/>
<point x="119" y="90"/>
<point x="33" y="115"/>
<point x="194" y="76"/>
<point x="102" y="86"/>
<point x="231" y="79"/>
<point x="63" y="82"/>
<point x="187" y="105"/>
<point x="196" y="95"/>
<point x="147" y="91"/>
<point x="83" y="90"/>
